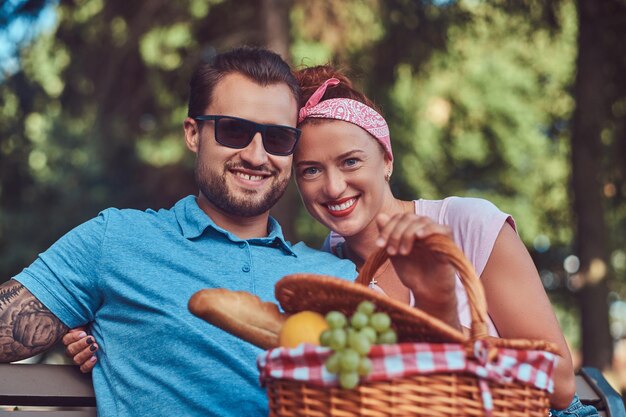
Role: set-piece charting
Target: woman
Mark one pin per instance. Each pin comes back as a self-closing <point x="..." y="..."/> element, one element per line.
<point x="342" y="166"/>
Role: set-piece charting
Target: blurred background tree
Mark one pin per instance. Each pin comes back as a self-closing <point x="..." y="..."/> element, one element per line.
<point x="522" y="103"/>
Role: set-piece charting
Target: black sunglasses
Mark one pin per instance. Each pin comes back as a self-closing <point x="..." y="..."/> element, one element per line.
<point x="238" y="133"/>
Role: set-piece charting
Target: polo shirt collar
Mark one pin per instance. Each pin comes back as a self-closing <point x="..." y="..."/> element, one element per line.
<point x="193" y="222"/>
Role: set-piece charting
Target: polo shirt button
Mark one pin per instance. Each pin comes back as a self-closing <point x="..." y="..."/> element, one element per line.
<point x="242" y="245"/>
<point x="245" y="268"/>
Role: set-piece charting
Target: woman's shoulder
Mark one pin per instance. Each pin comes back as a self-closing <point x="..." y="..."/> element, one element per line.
<point x="453" y="203"/>
<point x="456" y="209"/>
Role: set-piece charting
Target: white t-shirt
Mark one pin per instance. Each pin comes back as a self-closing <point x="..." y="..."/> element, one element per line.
<point x="475" y="225"/>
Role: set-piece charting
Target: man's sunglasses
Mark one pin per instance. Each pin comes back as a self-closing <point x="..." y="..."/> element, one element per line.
<point x="238" y="133"/>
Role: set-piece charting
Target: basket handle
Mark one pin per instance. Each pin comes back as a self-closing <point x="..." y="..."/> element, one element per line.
<point x="444" y="246"/>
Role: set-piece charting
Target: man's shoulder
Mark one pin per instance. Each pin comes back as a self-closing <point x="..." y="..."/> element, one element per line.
<point x="133" y="218"/>
<point x="302" y="249"/>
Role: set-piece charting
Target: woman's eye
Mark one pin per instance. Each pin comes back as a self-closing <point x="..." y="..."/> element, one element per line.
<point x="307" y="172"/>
<point x="351" y="162"/>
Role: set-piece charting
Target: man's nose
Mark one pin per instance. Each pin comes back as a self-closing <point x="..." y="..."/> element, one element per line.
<point x="255" y="154"/>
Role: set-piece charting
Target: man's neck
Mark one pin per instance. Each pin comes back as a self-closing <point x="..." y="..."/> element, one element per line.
<point x="242" y="227"/>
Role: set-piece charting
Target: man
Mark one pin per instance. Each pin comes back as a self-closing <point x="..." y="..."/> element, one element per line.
<point x="130" y="274"/>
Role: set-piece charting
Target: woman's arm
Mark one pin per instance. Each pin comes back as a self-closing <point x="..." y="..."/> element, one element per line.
<point x="520" y="308"/>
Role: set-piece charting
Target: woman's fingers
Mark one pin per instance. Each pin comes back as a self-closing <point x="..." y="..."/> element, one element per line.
<point x="74" y="335"/>
<point x="391" y="230"/>
<point x="431" y="228"/>
<point x="408" y="238"/>
<point x="398" y="233"/>
<point x="81" y="348"/>
<point x="75" y="348"/>
<point x="88" y="365"/>
<point x="84" y="356"/>
<point x="398" y="229"/>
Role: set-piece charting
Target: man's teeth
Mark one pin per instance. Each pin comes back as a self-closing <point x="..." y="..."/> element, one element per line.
<point x="249" y="177"/>
<point x="342" y="206"/>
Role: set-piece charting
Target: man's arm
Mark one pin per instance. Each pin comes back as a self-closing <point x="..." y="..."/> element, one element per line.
<point x="27" y="327"/>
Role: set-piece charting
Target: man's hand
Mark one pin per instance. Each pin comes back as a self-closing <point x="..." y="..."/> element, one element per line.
<point x="429" y="276"/>
<point x="81" y="348"/>
<point x="27" y="327"/>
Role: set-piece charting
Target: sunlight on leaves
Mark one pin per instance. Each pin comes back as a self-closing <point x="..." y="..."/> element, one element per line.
<point x="119" y="31"/>
<point x="87" y="9"/>
<point x="161" y="46"/>
<point x="167" y="151"/>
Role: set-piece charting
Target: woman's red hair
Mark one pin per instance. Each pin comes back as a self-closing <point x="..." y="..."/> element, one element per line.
<point x="311" y="78"/>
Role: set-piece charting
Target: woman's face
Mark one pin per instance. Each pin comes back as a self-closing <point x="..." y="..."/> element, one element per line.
<point x="340" y="172"/>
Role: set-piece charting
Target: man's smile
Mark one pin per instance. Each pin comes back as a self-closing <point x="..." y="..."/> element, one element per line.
<point x="250" y="177"/>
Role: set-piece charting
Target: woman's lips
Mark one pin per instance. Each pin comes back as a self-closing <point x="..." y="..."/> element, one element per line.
<point x="341" y="208"/>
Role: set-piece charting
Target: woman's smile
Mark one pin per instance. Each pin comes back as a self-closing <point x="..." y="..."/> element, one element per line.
<point x="343" y="207"/>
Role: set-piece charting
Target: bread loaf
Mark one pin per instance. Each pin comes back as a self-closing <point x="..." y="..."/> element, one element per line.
<point x="241" y="314"/>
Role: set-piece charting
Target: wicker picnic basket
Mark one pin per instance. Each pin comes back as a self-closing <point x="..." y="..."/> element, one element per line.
<point x="441" y="394"/>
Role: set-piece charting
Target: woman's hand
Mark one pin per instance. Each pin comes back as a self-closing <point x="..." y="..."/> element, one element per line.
<point x="81" y="348"/>
<point x="429" y="276"/>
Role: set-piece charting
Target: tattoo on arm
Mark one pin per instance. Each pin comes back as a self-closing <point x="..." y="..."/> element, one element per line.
<point x="27" y="327"/>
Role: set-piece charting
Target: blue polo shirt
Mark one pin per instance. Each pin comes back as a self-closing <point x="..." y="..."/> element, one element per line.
<point x="129" y="274"/>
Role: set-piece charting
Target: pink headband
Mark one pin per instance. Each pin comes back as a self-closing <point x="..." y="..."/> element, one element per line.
<point x="348" y="110"/>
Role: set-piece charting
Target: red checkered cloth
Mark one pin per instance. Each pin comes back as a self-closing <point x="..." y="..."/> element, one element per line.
<point x="306" y="363"/>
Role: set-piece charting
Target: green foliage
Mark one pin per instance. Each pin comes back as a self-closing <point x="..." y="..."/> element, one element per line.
<point x="479" y="119"/>
<point x="325" y="30"/>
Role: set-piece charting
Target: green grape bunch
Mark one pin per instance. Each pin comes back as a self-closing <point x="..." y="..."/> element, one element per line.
<point x="351" y="340"/>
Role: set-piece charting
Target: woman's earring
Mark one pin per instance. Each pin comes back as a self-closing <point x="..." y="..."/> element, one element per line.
<point x="387" y="176"/>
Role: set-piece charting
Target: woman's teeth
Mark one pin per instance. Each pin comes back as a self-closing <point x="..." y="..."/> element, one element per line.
<point x="342" y="206"/>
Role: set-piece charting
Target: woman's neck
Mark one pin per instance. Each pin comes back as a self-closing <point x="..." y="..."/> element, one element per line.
<point x="359" y="246"/>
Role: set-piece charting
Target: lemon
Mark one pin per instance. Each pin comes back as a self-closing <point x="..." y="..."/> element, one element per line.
<point x="302" y="327"/>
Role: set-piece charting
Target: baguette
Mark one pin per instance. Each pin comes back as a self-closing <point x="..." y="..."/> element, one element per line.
<point x="241" y="314"/>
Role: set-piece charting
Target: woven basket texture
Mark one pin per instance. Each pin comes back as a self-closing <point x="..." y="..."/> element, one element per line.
<point x="441" y="395"/>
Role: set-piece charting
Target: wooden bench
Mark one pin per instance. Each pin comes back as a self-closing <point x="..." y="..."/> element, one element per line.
<point x="593" y="389"/>
<point x="61" y="390"/>
<point x="45" y="390"/>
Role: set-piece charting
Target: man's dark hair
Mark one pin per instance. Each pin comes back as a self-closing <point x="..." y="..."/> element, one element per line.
<point x="259" y="65"/>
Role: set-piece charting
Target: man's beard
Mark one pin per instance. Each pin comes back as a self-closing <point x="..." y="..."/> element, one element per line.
<point x="213" y="187"/>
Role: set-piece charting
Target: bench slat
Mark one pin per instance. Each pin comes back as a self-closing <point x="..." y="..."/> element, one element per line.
<point x="45" y="385"/>
<point x="63" y="413"/>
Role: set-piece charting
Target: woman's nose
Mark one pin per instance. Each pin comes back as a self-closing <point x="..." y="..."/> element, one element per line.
<point x="335" y="184"/>
<point x="255" y="153"/>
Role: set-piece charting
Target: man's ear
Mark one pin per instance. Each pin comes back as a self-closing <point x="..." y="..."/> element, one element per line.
<point x="192" y="134"/>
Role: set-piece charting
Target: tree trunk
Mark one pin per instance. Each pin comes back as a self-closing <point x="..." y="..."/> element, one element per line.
<point x="275" y="17"/>
<point x="587" y="153"/>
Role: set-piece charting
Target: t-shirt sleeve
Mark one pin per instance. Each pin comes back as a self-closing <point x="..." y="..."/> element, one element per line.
<point x="65" y="277"/>
<point x="332" y="244"/>
<point x="475" y="224"/>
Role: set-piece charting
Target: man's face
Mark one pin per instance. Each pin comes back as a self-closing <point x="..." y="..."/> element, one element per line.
<point x="242" y="182"/>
